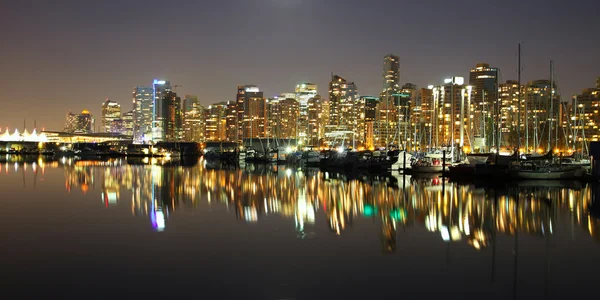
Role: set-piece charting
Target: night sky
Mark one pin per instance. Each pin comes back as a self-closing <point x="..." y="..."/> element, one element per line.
<point x="66" y="55"/>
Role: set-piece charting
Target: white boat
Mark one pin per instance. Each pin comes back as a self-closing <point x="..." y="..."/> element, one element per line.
<point x="405" y="161"/>
<point x="477" y="158"/>
<point x="431" y="163"/>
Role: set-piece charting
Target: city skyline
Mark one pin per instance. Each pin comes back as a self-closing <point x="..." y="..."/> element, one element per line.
<point x="76" y="63"/>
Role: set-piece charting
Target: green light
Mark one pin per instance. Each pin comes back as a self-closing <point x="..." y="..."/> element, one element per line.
<point x="369" y="210"/>
<point x="398" y="214"/>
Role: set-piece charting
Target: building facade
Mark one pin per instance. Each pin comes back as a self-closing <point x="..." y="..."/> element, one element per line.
<point x="111" y="112"/>
<point x="143" y="107"/>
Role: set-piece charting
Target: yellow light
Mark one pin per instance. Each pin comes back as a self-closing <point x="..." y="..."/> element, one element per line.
<point x="539" y="150"/>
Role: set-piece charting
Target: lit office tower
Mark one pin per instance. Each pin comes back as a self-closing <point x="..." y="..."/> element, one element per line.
<point x="304" y="92"/>
<point x="255" y="114"/>
<point x="159" y="89"/>
<point x="422" y="117"/>
<point x="193" y="120"/>
<point x="484" y="80"/>
<point x="143" y="107"/>
<point x="348" y="114"/>
<point x="283" y="113"/>
<point x="365" y="114"/>
<point x="79" y="123"/>
<point x="537" y="106"/>
<point x="405" y="101"/>
<point x="585" y="118"/>
<point x="172" y="125"/>
<point x="240" y="112"/>
<point x="128" y="121"/>
<point x="509" y="102"/>
<point x="216" y="119"/>
<point x="452" y="110"/>
<point x="318" y="118"/>
<point x="111" y="111"/>
<point x="391" y="75"/>
<point x="232" y="126"/>
<point x="337" y="94"/>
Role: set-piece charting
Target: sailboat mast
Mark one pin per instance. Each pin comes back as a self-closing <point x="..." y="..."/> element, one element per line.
<point x="551" y="111"/>
<point x="519" y="105"/>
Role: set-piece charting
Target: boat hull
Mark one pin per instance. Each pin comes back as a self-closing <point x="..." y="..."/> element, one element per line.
<point x="570" y="173"/>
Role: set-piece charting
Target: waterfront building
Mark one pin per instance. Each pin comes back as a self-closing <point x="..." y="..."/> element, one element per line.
<point x="421" y="119"/>
<point x="509" y="111"/>
<point x="143" y="107"/>
<point x="318" y="118"/>
<point x="172" y="123"/>
<point x="585" y="118"/>
<point x="111" y="112"/>
<point x="366" y="108"/>
<point x="453" y="114"/>
<point x="79" y="123"/>
<point x="160" y="88"/>
<point x="250" y="113"/>
<point x="484" y="82"/>
<point x="283" y="114"/>
<point x="216" y="116"/>
<point x="304" y="92"/>
<point x="128" y="123"/>
<point x="193" y="120"/>
<point x="538" y="102"/>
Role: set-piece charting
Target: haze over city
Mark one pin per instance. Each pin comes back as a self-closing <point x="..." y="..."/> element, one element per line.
<point x="70" y="55"/>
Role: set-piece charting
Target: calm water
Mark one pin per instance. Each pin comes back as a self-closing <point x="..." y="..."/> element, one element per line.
<point x="81" y="229"/>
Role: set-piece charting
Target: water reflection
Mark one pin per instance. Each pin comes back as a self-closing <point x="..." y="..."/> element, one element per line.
<point x="456" y="212"/>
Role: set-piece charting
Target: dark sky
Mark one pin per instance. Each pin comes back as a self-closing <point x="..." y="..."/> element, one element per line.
<point x="66" y="55"/>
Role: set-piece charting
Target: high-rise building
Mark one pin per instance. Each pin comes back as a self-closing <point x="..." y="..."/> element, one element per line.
<point x="538" y="102"/>
<point x="304" y="92"/>
<point x="484" y="80"/>
<point x="193" y="119"/>
<point x="509" y="113"/>
<point x="585" y="118"/>
<point x="79" y="123"/>
<point x="128" y="121"/>
<point x="246" y="98"/>
<point x="337" y="94"/>
<point x="111" y="111"/>
<point x="318" y="118"/>
<point x="421" y="119"/>
<point x="283" y="114"/>
<point x="255" y="114"/>
<point x="452" y="105"/>
<point x="598" y="83"/>
<point x="391" y="75"/>
<point x="348" y="113"/>
<point x="366" y="108"/>
<point x="216" y="121"/>
<point x="172" y="120"/>
<point x="405" y="101"/>
<point x="143" y="107"/>
<point x="159" y="90"/>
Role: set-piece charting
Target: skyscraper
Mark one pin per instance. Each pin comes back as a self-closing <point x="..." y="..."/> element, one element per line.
<point x="304" y="92"/>
<point x="128" y="121"/>
<point x="452" y="111"/>
<point x="172" y="124"/>
<point x="111" y="111"/>
<point x="245" y="95"/>
<point x="193" y="119"/>
<point x="159" y="89"/>
<point x="255" y="114"/>
<point x="216" y="118"/>
<point x="318" y="118"/>
<point x="484" y="80"/>
<point x="143" y="107"/>
<point x="391" y="75"/>
<point x="337" y="94"/>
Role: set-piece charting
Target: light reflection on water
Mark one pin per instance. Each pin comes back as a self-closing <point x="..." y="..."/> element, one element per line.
<point x="456" y="213"/>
